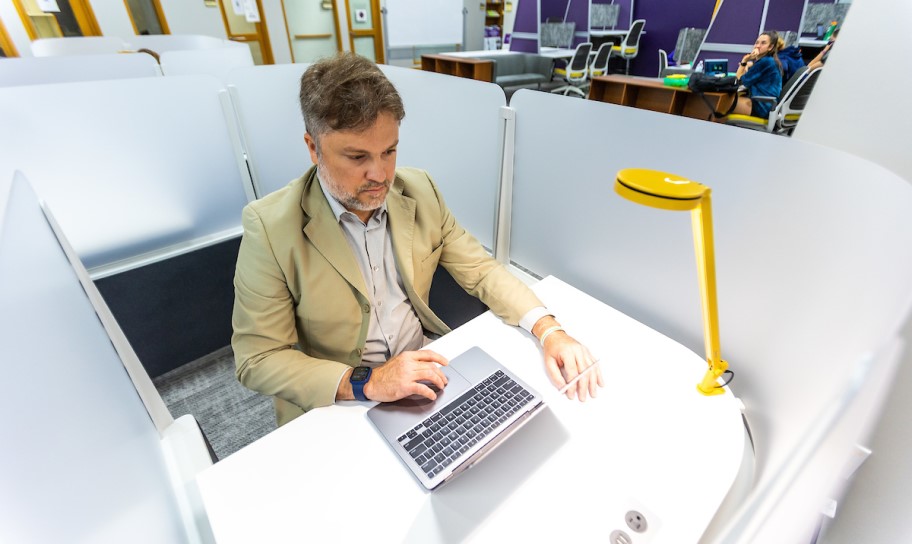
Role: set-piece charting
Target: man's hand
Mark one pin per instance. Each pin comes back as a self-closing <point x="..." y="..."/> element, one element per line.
<point x="565" y="358"/>
<point x="403" y="375"/>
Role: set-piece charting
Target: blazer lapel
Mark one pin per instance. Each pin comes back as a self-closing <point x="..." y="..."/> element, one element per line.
<point x="324" y="232"/>
<point x="401" y="210"/>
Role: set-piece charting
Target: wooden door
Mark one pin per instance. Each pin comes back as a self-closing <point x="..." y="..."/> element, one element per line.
<point x="58" y="19"/>
<point x="365" y="29"/>
<point x="313" y="29"/>
<point x="254" y="34"/>
<point x="147" y="17"/>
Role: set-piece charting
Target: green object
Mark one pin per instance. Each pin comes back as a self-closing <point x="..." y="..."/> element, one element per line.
<point x="676" y="80"/>
<point x="829" y="32"/>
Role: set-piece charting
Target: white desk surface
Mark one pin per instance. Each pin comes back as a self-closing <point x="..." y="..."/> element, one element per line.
<point x="480" y="53"/>
<point x="609" y="32"/>
<point x="811" y="42"/>
<point x="650" y="442"/>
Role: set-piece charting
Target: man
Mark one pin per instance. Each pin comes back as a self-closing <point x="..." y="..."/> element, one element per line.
<point x="334" y="270"/>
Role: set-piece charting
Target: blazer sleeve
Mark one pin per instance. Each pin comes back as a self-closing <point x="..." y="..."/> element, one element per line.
<point x="479" y="273"/>
<point x="265" y="336"/>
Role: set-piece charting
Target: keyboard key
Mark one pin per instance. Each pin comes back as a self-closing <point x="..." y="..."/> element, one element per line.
<point x="418" y="450"/>
<point x="412" y="434"/>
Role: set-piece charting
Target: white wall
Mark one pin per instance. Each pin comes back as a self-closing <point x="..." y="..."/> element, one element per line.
<point x="113" y="19"/>
<point x="848" y="112"/>
<point x="192" y="17"/>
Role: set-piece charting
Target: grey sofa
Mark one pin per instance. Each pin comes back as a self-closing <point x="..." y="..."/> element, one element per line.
<point x="519" y="69"/>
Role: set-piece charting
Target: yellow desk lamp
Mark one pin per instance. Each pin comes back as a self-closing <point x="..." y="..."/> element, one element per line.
<point x="670" y="192"/>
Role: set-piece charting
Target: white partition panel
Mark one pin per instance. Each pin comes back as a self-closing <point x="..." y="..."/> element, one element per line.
<point x="63" y="69"/>
<point x="81" y="459"/>
<point x="178" y="42"/>
<point x="812" y="246"/>
<point x="130" y="166"/>
<point x="452" y="128"/>
<point x="77" y="45"/>
<point x="216" y="62"/>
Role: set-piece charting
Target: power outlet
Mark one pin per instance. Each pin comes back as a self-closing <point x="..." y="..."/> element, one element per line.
<point x="636" y="521"/>
<point x="619" y="537"/>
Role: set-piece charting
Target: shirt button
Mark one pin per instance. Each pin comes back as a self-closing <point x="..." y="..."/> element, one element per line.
<point x="379" y="303"/>
<point x="391" y="337"/>
<point x="376" y="268"/>
<point x="367" y="308"/>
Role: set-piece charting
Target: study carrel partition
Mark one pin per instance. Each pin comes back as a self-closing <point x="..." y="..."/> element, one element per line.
<point x="63" y="69"/>
<point x="82" y="459"/>
<point x="811" y="249"/>
<point x="145" y="181"/>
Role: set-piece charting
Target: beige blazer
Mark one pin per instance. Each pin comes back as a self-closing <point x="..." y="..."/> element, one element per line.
<point x="301" y="312"/>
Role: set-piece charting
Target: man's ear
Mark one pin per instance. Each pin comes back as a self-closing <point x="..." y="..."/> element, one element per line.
<point x="311" y="147"/>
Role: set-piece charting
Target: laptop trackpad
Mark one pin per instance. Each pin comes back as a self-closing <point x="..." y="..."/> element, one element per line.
<point x="456" y="386"/>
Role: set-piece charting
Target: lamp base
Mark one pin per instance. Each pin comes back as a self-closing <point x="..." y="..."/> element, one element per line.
<point x="710" y="384"/>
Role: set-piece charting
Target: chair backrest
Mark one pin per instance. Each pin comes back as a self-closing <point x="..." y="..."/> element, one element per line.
<point x="788" y="85"/>
<point x="663" y="62"/>
<point x="790" y="107"/>
<point x="599" y="65"/>
<point x="580" y="59"/>
<point x="633" y="36"/>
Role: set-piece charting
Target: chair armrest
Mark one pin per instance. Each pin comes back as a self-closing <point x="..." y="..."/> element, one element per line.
<point x="769" y="99"/>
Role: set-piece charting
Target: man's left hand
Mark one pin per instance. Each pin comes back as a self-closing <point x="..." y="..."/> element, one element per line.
<point x="565" y="359"/>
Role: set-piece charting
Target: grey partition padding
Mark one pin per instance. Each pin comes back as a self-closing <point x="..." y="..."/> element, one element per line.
<point x="81" y="460"/>
<point x="216" y="62"/>
<point x="129" y="166"/>
<point x="77" y="45"/>
<point x="452" y="128"/>
<point x="812" y="246"/>
<point x="39" y="70"/>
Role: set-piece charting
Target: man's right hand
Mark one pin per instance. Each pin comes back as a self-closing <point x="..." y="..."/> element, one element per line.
<point x="402" y="376"/>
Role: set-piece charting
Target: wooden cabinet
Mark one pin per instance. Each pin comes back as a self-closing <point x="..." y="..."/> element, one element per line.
<point x="652" y="94"/>
<point x="480" y="69"/>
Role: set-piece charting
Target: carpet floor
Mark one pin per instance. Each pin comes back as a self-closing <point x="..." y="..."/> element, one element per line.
<point x="230" y="415"/>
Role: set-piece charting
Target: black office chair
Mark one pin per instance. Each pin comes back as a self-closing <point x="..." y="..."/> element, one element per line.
<point x="576" y="73"/>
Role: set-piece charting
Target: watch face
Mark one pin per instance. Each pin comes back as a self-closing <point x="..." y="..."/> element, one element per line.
<point x="360" y="373"/>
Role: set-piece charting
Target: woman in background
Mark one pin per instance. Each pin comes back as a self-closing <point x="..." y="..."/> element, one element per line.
<point x="760" y="73"/>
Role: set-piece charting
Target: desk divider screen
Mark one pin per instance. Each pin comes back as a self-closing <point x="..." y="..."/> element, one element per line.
<point x="811" y="247"/>
<point x="40" y="70"/>
<point x="452" y="128"/>
<point x="216" y="62"/>
<point x="124" y="171"/>
<point x="82" y="460"/>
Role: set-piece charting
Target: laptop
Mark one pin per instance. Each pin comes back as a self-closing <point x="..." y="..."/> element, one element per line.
<point x="482" y="404"/>
<point x="715" y="66"/>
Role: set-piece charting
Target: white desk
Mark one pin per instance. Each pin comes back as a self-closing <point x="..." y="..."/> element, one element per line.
<point x="611" y="33"/>
<point x="811" y="42"/>
<point x="650" y="442"/>
<point x="556" y="52"/>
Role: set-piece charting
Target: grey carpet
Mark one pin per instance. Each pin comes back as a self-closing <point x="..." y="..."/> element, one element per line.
<point x="230" y="415"/>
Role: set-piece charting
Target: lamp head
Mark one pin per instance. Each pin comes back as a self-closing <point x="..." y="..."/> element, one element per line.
<point x="659" y="189"/>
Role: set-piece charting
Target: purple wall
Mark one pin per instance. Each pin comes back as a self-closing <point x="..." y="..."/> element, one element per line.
<point x="738" y="21"/>
<point x="526" y="21"/>
<point x="784" y="15"/>
<point x="664" y="19"/>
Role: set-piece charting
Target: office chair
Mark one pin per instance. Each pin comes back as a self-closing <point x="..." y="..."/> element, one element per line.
<point x="599" y="65"/>
<point x="629" y="48"/>
<point x="666" y="70"/>
<point x="576" y="73"/>
<point x="787" y="111"/>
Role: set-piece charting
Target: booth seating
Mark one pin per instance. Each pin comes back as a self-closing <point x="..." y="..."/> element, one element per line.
<point x="520" y="69"/>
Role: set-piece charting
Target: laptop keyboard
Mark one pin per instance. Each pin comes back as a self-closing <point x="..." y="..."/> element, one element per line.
<point x="447" y="434"/>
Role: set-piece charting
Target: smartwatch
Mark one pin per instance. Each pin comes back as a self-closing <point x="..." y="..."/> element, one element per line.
<point x="358" y="379"/>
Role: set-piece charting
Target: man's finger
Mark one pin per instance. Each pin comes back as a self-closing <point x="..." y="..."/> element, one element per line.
<point x="554" y="373"/>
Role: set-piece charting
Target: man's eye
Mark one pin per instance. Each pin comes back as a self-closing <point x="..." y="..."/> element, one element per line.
<point x="390" y="151"/>
<point x="356" y="157"/>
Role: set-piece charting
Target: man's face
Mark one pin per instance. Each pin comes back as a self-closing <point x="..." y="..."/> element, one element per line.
<point x="358" y="166"/>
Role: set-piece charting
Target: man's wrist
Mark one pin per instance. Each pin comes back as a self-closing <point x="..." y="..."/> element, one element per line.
<point x="543" y="325"/>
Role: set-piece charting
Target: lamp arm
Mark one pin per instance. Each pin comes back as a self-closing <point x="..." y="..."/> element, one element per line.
<point x="701" y="217"/>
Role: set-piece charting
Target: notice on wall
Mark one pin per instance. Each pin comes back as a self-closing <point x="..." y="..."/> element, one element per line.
<point x="48" y="6"/>
<point x="251" y="11"/>
<point x="237" y="6"/>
